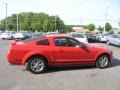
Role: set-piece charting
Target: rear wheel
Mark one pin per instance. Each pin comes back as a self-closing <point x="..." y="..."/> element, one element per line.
<point x="36" y="65"/>
<point x="102" y="61"/>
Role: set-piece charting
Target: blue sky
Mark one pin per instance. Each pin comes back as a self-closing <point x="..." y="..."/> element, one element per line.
<point x="71" y="11"/>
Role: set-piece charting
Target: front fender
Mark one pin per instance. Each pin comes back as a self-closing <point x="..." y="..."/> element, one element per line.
<point x="103" y="52"/>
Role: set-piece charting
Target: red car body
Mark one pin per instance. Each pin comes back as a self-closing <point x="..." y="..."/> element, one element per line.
<point x="21" y="51"/>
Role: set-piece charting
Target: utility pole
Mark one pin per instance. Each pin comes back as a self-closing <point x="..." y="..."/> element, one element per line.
<point x="106" y="17"/>
<point x="81" y="23"/>
<point x="55" y="22"/>
<point x="17" y="21"/>
<point x="6" y="14"/>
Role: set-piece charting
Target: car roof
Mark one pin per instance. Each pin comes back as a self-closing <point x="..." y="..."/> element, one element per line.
<point x="118" y="35"/>
<point x="76" y="33"/>
<point x="56" y="35"/>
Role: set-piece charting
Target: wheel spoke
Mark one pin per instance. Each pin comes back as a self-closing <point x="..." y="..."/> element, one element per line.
<point x="103" y="61"/>
<point x="37" y="65"/>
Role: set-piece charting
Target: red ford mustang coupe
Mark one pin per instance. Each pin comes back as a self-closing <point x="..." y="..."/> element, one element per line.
<point x="56" y="50"/>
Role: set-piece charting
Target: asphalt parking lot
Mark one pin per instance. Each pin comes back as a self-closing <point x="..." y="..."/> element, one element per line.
<point x="13" y="77"/>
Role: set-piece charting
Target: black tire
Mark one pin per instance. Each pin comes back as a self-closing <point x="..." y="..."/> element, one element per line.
<point x="36" y="65"/>
<point x="102" y="61"/>
<point x="11" y="38"/>
<point x="108" y="43"/>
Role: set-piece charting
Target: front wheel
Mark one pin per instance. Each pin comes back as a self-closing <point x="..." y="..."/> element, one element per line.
<point x="102" y="61"/>
<point x="36" y="65"/>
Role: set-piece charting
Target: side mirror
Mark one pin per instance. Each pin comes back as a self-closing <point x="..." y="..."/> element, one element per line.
<point x="82" y="46"/>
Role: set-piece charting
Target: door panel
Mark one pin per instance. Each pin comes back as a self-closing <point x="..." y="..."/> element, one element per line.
<point x="71" y="54"/>
<point x="66" y="51"/>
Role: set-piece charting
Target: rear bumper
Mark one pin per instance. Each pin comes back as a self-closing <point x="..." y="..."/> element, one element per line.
<point x="12" y="60"/>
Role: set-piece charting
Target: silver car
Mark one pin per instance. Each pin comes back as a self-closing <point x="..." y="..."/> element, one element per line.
<point x="7" y="35"/>
<point x="79" y="36"/>
<point x="114" y="39"/>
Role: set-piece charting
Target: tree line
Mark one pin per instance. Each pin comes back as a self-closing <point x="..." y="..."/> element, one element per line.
<point x="92" y="27"/>
<point x="43" y="22"/>
<point x="35" y="21"/>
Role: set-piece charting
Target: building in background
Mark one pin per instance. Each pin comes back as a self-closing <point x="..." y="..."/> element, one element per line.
<point x="79" y="29"/>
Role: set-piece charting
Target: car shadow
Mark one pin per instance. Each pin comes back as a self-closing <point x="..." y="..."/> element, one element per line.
<point x="115" y="62"/>
<point x="58" y="69"/>
<point x="115" y="45"/>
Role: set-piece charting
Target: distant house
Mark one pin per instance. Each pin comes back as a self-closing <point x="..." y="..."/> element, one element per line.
<point x="79" y="29"/>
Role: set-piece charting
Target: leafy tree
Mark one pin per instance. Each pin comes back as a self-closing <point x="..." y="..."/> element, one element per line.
<point x="33" y="21"/>
<point x="68" y="28"/>
<point x="24" y="26"/>
<point x="46" y="25"/>
<point x="91" y="27"/>
<point x="10" y="26"/>
<point x="2" y="26"/>
<point x="108" y="27"/>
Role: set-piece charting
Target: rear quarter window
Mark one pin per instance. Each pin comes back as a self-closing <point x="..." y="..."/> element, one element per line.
<point x="32" y="39"/>
<point x="43" y="42"/>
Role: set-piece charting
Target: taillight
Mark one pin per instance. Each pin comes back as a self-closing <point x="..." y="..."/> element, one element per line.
<point x="19" y="43"/>
<point x="13" y="42"/>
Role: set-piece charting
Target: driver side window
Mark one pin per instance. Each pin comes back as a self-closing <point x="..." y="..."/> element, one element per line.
<point x="73" y="42"/>
<point x="65" y="42"/>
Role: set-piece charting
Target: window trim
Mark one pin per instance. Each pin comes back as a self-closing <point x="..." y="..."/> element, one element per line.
<point x="37" y="42"/>
<point x="67" y="40"/>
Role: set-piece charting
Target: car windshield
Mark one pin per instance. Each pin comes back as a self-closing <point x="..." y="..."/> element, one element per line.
<point x="119" y="35"/>
<point x="78" y="35"/>
<point x="5" y="33"/>
<point x="19" y="34"/>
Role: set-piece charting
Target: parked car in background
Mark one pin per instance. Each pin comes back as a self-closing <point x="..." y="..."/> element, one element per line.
<point x="91" y="37"/>
<point x="7" y="35"/>
<point x="1" y="32"/>
<point x="38" y="34"/>
<point x="79" y="36"/>
<point x="49" y="33"/>
<point x="22" y="35"/>
<point x="101" y="37"/>
<point x="56" y="51"/>
<point x="114" y="39"/>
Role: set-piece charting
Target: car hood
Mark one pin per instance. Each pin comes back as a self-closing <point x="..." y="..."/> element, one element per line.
<point x="96" y="47"/>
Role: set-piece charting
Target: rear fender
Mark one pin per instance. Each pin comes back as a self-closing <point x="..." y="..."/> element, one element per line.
<point x="30" y="54"/>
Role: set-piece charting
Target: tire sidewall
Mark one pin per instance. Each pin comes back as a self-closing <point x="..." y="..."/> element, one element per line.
<point x="97" y="62"/>
<point x="29" y="63"/>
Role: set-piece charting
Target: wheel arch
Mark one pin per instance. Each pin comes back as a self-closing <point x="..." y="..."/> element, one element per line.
<point x="105" y="53"/>
<point x="27" y="58"/>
